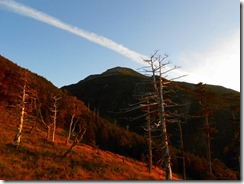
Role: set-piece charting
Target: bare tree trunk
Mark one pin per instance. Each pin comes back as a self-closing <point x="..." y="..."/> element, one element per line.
<point x="208" y="145"/>
<point x="34" y="106"/>
<point x="70" y="128"/>
<point x="164" y="130"/>
<point x="20" y="126"/>
<point x="150" y="142"/>
<point x="48" y="132"/>
<point x="159" y="91"/>
<point x="182" y="151"/>
<point x="54" y="123"/>
<point x="54" y="116"/>
<point x="157" y="68"/>
<point x="47" y="125"/>
<point x="78" y="138"/>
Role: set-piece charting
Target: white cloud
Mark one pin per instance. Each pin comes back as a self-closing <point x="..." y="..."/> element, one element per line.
<point x="219" y="65"/>
<point x="32" y="13"/>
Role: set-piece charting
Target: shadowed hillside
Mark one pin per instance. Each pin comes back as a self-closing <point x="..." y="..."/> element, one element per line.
<point x="117" y="88"/>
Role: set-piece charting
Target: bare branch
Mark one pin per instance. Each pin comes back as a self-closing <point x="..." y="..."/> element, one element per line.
<point x="178" y="77"/>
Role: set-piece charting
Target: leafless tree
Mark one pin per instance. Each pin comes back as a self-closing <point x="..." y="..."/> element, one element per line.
<point x="72" y="123"/>
<point x="23" y="112"/>
<point x="77" y="139"/>
<point x="55" y="111"/>
<point x="158" y="66"/>
<point x="46" y="124"/>
<point x="179" y="121"/>
<point x="153" y="104"/>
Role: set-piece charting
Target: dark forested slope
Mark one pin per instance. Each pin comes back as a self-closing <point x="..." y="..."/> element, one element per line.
<point x="117" y="88"/>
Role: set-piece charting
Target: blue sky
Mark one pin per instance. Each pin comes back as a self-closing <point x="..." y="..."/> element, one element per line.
<point x="203" y="37"/>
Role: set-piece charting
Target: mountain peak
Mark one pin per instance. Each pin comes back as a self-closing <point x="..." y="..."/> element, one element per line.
<point x="117" y="69"/>
<point x="122" y="71"/>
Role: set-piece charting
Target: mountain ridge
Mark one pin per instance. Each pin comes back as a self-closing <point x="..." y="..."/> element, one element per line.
<point x="109" y="94"/>
<point x="38" y="157"/>
<point x="119" y="70"/>
<point x="100" y="133"/>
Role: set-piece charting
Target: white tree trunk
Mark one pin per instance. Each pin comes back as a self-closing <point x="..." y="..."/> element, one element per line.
<point x="164" y="130"/>
<point x="55" y="111"/>
<point x="78" y="138"/>
<point x="20" y="126"/>
<point x="54" y="119"/>
<point x="48" y="132"/>
<point x="70" y="128"/>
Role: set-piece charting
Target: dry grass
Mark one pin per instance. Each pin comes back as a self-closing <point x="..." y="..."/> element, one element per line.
<point x="39" y="159"/>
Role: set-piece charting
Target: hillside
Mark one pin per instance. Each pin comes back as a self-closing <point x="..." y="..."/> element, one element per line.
<point x="108" y="94"/>
<point x="38" y="157"/>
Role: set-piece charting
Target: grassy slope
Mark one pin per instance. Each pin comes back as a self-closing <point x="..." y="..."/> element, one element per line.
<point x="39" y="159"/>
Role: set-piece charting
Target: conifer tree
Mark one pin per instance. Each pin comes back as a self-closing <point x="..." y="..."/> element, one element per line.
<point x="206" y="96"/>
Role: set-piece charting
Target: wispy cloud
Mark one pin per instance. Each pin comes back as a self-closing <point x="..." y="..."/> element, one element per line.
<point x="98" y="39"/>
<point x="40" y="16"/>
<point x="219" y="65"/>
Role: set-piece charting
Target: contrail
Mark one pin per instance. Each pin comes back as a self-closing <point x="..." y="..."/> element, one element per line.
<point x="35" y="14"/>
<point x="105" y="42"/>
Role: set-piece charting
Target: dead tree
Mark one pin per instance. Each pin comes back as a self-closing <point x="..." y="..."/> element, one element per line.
<point x="149" y="128"/>
<point x="207" y="128"/>
<point x="43" y="115"/>
<point x="164" y="129"/>
<point x="72" y="124"/>
<point x="147" y="104"/>
<point x="153" y="104"/>
<point x="34" y="108"/>
<point x="179" y="122"/>
<point x="157" y="65"/>
<point x="182" y="151"/>
<point x="77" y="139"/>
<point x="54" y="110"/>
<point x="70" y="128"/>
<point x="47" y="125"/>
<point x="22" y="117"/>
<point x="27" y="107"/>
<point x="149" y="141"/>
